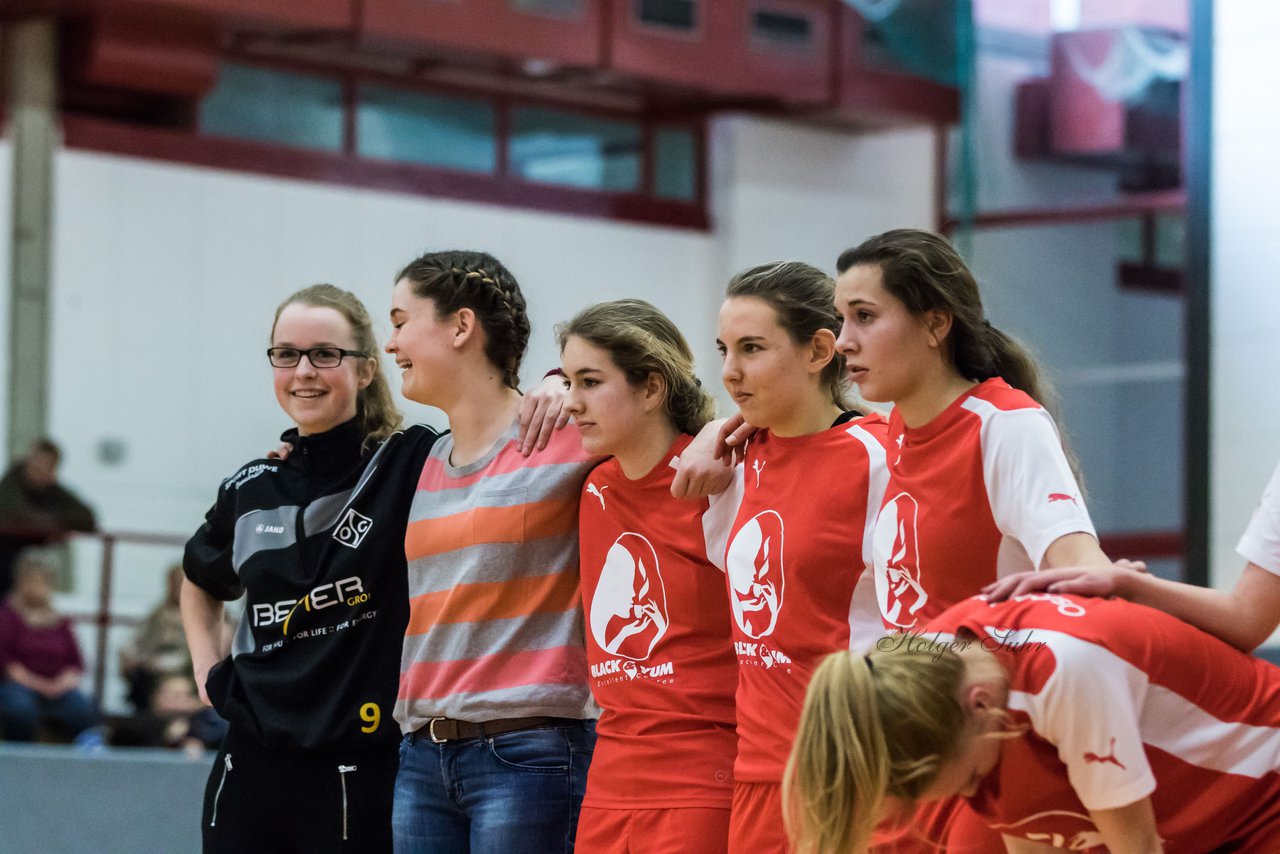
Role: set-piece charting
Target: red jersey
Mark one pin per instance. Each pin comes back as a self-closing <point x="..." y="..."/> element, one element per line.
<point x="979" y="492"/>
<point x="658" y="642"/>
<point x="1123" y="702"/>
<point x="799" y="586"/>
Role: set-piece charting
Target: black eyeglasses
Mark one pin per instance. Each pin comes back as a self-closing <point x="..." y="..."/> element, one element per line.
<point x="319" y="357"/>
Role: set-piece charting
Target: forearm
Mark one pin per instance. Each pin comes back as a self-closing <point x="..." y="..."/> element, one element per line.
<point x="1244" y="616"/>
<point x="202" y="623"/>
<point x="1129" y="830"/>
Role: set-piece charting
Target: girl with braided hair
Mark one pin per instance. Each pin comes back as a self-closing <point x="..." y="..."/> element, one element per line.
<point x="493" y="693"/>
<point x="658" y="639"/>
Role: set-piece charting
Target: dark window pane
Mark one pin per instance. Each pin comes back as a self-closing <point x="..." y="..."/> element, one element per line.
<point x="273" y="106"/>
<point x="449" y="132"/>
<point x="675" y="14"/>
<point x="554" y="8"/>
<point x="576" y="151"/>
<point x="782" y="28"/>
<point x="675" y="168"/>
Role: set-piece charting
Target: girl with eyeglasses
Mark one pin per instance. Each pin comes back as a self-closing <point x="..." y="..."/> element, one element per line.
<point x="315" y="545"/>
<point x="658" y="640"/>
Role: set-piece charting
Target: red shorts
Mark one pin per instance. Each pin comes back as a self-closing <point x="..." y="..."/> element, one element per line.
<point x="755" y="825"/>
<point x="680" y="830"/>
<point x="948" y="825"/>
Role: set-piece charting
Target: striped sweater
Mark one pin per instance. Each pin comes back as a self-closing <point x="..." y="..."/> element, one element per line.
<point x="495" y="624"/>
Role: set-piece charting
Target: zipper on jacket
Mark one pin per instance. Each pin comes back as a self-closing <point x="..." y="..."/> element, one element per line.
<point x="342" y="775"/>
<point x="226" y="766"/>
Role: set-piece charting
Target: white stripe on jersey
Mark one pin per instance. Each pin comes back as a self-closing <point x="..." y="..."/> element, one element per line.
<point x="1166" y="720"/>
<point x="866" y="625"/>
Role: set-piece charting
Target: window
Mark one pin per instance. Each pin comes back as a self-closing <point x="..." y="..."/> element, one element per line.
<point x="554" y="147"/>
<point x="669" y="14"/>
<point x="551" y="8"/>
<point x="675" y="164"/>
<point x="782" y="29"/>
<point x="452" y="133"/>
<point x="274" y="106"/>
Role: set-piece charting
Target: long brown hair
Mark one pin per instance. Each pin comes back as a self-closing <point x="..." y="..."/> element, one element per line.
<point x="642" y="340"/>
<point x="926" y="273"/>
<point x="376" y="412"/>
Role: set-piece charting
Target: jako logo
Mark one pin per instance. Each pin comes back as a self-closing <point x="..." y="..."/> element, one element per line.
<point x="352" y="528"/>
<point x="269" y="529"/>
<point x="629" y="609"/>
<point x="897" y="562"/>
<point x="756" y="576"/>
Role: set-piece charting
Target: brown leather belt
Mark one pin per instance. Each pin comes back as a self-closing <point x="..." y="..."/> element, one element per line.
<point x="440" y="730"/>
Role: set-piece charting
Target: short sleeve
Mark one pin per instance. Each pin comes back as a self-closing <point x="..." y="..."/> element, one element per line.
<point x="207" y="559"/>
<point x="718" y="518"/>
<point x="1097" y="739"/>
<point x="1032" y="491"/>
<point x="1261" y="541"/>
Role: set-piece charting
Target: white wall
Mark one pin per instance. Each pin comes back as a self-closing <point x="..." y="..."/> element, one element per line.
<point x="1245" y="272"/>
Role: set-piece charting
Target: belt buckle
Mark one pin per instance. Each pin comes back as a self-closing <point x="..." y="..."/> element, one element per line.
<point x="431" y="731"/>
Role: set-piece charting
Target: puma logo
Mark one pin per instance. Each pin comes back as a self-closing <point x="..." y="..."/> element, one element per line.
<point x="1110" y="757"/>
<point x="598" y="493"/>
<point x="1061" y="496"/>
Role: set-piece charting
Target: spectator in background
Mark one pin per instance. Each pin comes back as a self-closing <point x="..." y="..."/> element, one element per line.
<point x="40" y="663"/>
<point x="172" y="715"/>
<point x="35" y="509"/>
<point x="159" y="648"/>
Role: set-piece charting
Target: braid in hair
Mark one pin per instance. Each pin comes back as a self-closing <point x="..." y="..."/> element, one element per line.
<point x="476" y="280"/>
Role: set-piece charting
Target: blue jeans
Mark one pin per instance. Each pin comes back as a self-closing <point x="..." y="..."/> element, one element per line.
<point x="22" y="710"/>
<point x="515" y="793"/>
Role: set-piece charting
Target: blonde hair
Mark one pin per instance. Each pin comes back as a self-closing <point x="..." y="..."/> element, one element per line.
<point x="642" y="340"/>
<point x="871" y="727"/>
<point x="376" y="412"/>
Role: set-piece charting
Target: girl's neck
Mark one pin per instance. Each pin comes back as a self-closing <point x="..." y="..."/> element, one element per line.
<point x="478" y="419"/>
<point x="931" y="396"/>
<point x="813" y="416"/>
<point x="647" y="449"/>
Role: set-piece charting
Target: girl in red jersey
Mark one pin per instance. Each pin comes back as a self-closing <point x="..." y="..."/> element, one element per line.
<point x="980" y="486"/>
<point x="1067" y="723"/>
<point x="799" y="548"/>
<point x="658" y="642"/>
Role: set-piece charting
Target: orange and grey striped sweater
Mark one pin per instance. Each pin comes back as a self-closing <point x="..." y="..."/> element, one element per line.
<point x="495" y="624"/>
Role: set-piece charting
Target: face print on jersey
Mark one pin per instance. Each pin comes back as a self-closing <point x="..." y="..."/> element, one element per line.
<point x="897" y="562"/>
<point x="756" y="573"/>
<point x="629" y="609"/>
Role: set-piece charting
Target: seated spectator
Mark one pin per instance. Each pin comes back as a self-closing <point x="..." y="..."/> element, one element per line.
<point x="36" y="510"/>
<point x="175" y="717"/>
<point x="40" y="663"/>
<point x="159" y="648"/>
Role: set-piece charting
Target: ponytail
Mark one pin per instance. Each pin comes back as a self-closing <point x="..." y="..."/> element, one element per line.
<point x="872" y="727"/>
<point x="838" y="772"/>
